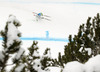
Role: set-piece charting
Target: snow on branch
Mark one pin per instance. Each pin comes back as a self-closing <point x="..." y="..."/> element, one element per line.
<point x="12" y="19"/>
<point x="36" y="54"/>
<point x="19" y="68"/>
<point x="19" y="54"/>
<point x="1" y="56"/>
<point x="13" y="32"/>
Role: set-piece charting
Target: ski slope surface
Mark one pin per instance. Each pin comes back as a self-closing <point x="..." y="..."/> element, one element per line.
<point x="64" y="20"/>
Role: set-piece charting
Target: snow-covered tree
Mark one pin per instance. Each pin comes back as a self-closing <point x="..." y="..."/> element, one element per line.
<point x="19" y="61"/>
<point x="33" y="59"/>
<point x="86" y="43"/>
<point x="11" y="43"/>
<point x="60" y="61"/>
<point x="46" y="59"/>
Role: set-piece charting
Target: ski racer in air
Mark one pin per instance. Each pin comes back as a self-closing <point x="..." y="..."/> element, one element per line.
<point x="40" y="16"/>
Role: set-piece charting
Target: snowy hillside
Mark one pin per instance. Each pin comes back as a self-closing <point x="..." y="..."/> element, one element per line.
<point x="92" y="65"/>
<point x="65" y="20"/>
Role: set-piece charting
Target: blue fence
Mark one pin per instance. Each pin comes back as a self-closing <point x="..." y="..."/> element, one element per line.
<point x="43" y="39"/>
<point x="47" y="38"/>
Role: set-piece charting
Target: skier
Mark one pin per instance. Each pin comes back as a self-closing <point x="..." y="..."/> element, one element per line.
<point x="40" y="16"/>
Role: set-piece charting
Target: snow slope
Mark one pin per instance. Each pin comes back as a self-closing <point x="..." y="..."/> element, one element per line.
<point x="54" y="69"/>
<point x="92" y="65"/>
<point x="65" y="20"/>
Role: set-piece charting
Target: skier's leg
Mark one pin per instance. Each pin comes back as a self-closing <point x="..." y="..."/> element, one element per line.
<point x="37" y="18"/>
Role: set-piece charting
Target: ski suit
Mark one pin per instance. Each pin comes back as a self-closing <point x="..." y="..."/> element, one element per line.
<point x="39" y="16"/>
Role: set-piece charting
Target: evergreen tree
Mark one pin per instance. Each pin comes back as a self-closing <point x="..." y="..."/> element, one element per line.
<point x="55" y="62"/>
<point x="85" y="44"/>
<point x="11" y="42"/>
<point x="46" y="59"/>
<point x="33" y="59"/>
<point x="60" y="60"/>
<point x="19" y="61"/>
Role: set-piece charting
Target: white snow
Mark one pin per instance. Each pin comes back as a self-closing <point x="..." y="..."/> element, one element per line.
<point x="9" y="67"/>
<point x="93" y="64"/>
<point x="88" y="50"/>
<point x="65" y="20"/>
<point x="53" y="69"/>
<point x="13" y="32"/>
<point x="20" y="52"/>
<point x="48" y="55"/>
<point x="1" y="56"/>
<point x="19" y="68"/>
<point x="80" y="50"/>
<point x="36" y="54"/>
<point x="37" y="65"/>
<point x="12" y="18"/>
<point x="73" y="67"/>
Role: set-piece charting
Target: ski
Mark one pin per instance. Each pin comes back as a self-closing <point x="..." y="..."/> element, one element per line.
<point x="45" y="18"/>
<point x="46" y="15"/>
<point x="41" y="16"/>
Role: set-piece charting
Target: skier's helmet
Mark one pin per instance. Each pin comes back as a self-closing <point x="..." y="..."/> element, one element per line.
<point x="40" y="14"/>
